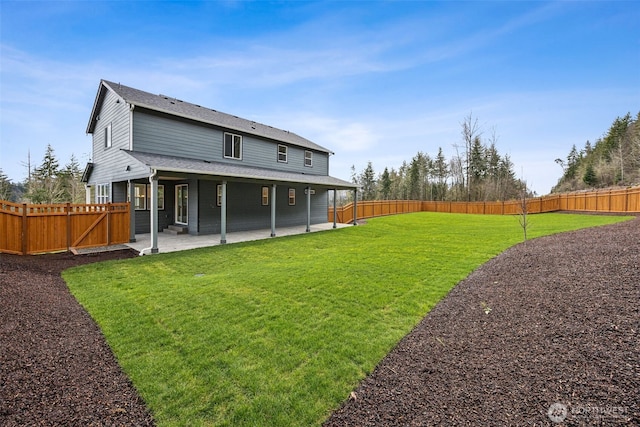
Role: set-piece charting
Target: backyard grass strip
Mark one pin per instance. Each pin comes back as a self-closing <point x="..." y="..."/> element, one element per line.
<point x="278" y="332"/>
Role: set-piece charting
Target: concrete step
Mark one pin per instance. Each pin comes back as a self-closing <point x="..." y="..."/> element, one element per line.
<point x="176" y="229"/>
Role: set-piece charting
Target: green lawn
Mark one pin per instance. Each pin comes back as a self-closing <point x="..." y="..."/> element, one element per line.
<point x="278" y="332"/>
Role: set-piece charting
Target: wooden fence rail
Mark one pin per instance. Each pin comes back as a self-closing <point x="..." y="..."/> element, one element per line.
<point x="625" y="200"/>
<point x="31" y="229"/>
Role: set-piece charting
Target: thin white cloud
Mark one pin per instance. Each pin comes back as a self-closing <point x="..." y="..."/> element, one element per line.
<point x="338" y="135"/>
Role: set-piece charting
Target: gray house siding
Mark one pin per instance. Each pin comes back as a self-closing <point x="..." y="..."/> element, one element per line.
<point x="160" y="134"/>
<point x="155" y="133"/>
<point x="119" y="192"/>
<point x="244" y="207"/>
<point x="208" y="211"/>
<point x="165" y="216"/>
<point x="110" y="163"/>
<point x="191" y="135"/>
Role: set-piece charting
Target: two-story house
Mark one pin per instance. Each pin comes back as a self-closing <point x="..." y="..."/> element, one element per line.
<point x="206" y="171"/>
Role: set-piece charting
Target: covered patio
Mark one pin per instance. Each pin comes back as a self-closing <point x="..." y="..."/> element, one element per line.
<point x="172" y="243"/>
<point x="224" y="202"/>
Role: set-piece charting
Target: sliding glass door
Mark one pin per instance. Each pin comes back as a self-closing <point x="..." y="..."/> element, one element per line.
<point x="182" y="205"/>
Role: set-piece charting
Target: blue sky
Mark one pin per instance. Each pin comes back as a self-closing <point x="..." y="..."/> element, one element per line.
<point x="372" y="81"/>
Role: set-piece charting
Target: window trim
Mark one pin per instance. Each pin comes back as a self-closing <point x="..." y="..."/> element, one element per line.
<point x="234" y="155"/>
<point x="146" y="196"/>
<point x="292" y="196"/>
<point x="103" y="193"/>
<point x="286" y="153"/>
<point x="309" y="158"/>
<point x="142" y="197"/>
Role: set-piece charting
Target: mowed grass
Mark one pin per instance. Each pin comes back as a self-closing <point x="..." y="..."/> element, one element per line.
<point x="278" y="332"/>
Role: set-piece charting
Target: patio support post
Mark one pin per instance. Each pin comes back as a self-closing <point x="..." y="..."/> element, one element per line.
<point x="132" y="213"/>
<point x="153" y="179"/>
<point x="87" y="194"/>
<point x="308" y="209"/>
<point x="223" y="214"/>
<point x="355" y="206"/>
<point x="335" y="214"/>
<point x="273" y="210"/>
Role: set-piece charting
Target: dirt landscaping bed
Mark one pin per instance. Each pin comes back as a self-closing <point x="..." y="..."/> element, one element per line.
<point x="56" y="368"/>
<point x="545" y="334"/>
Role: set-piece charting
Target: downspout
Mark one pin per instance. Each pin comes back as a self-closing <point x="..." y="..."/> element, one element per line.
<point x="154" y="174"/>
<point x="131" y="108"/>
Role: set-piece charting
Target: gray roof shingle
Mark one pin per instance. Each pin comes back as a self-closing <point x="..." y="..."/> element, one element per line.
<point x="176" y="107"/>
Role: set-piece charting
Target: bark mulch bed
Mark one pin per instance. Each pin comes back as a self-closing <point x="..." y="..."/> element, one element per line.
<point x="547" y="333"/>
<point x="552" y="323"/>
<point x="55" y="366"/>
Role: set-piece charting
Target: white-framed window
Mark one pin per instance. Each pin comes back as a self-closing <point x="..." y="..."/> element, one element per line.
<point x="308" y="158"/>
<point x="107" y="136"/>
<point x="160" y="196"/>
<point x="292" y="196"/>
<point x="103" y="193"/>
<point x="142" y="197"/>
<point x="232" y="146"/>
<point x="282" y="153"/>
<point x="219" y="195"/>
<point x="265" y="196"/>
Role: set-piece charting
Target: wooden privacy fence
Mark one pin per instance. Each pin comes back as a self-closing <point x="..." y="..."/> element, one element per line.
<point x="30" y="229"/>
<point x="619" y="201"/>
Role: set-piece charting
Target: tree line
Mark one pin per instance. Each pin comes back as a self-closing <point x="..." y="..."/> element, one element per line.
<point x="477" y="172"/>
<point x="46" y="183"/>
<point x="613" y="160"/>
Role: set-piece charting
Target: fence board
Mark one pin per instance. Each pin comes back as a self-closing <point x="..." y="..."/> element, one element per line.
<point x="620" y="201"/>
<point x="31" y="229"/>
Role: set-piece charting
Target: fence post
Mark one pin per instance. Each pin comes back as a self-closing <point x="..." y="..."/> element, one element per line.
<point x="25" y="230"/>
<point x="68" y="208"/>
<point x="108" y="223"/>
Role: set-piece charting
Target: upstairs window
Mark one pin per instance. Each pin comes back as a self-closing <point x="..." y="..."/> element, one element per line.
<point x="232" y="146"/>
<point x="107" y="136"/>
<point x="282" y="153"/>
<point x="308" y="158"/>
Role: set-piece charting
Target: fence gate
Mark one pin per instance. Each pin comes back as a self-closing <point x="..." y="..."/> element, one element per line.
<point x="30" y="229"/>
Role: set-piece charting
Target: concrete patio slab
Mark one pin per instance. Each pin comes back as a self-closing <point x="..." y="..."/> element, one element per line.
<point x="172" y="243"/>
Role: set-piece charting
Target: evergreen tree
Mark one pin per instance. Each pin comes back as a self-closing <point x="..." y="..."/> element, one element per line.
<point x="6" y="192"/>
<point x="44" y="185"/>
<point x="368" y="183"/>
<point x="589" y="177"/>
<point x="441" y="173"/>
<point x="418" y="176"/>
<point x="572" y="162"/>
<point x="385" y="185"/>
<point x="70" y="178"/>
<point x="613" y="159"/>
<point x="477" y="169"/>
